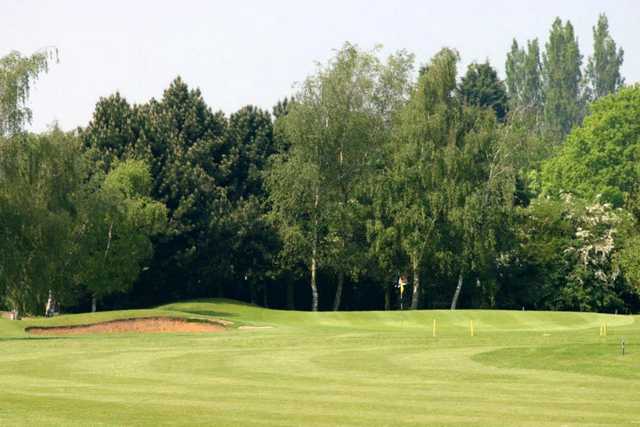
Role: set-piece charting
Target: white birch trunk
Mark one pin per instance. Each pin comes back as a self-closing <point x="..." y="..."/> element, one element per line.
<point x="314" y="285"/>
<point x="415" y="295"/>
<point x="314" y="255"/>
<point x="456" y="295"/>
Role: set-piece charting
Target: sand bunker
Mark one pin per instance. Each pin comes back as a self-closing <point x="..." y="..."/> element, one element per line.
<point x="143" y="325"/>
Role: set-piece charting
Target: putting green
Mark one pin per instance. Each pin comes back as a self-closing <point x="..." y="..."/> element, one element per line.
<point x="347" y="368"/>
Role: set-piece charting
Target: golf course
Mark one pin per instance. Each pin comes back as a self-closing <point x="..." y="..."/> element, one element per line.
<point x="273" y="367"/>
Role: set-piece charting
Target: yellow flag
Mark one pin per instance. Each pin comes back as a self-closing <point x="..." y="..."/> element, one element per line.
<point x="402" y="282"/>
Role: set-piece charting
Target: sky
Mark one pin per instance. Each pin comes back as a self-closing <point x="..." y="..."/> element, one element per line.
<point x="253" y="52"/>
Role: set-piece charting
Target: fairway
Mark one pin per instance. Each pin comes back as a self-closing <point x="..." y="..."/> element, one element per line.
<point x="348" y="368"/>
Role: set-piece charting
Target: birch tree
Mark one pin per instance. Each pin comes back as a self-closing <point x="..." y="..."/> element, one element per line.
<point x="114" y="232"/>
<point x="17" y="74"/>
<point x="481" y="177"/>
<point x="40" y="179"/>
<point x="335" y="127"/>
<point x="415" y="176"/>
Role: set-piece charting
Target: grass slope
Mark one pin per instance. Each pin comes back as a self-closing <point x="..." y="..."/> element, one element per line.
<point x="348" y="368"/>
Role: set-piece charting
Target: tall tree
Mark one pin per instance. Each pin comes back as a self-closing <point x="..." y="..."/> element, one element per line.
<point x="481" y="87"/>
<point x="480" y="182"/>
<point x="526" y="106"/>
<point x="334" y="124"/>
<point x="384" y="252"/>
<point x="17" y="74"/>
<point x="183" y="143"/>
<point x="603" y="67"/>
<point x="596" y="160"/>
<point x="561" y="77"/>
<point x="294" y="185"/>
<point x="252" y="242"/>
<point x="114" y="229"/>
<point x="450" y="180"/>
<point x="524" y="79"/>
<point x="413" y="197"/>
<point x="249" y="138"/>
<point x="112" y="133"/>
<point x="40" y="180"/>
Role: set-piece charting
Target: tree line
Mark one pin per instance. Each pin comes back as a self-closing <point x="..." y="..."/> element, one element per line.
<point x="484" y="193"/>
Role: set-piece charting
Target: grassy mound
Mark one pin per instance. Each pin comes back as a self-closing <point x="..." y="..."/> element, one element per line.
<point x="347" y="368"/>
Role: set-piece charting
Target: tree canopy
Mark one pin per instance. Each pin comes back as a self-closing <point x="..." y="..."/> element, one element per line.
<point x="602" y="156"/>
<point x="17" y="73"/>
<point x="471" y="191"/>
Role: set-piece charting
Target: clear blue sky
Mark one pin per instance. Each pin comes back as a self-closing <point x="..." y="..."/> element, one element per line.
<point x="252" y="52"/>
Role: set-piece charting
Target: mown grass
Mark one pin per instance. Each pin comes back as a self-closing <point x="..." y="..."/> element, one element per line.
<point x="348" y="368"/>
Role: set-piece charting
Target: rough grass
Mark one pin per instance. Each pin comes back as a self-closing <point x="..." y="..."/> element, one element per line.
<point x="349" y="368"/>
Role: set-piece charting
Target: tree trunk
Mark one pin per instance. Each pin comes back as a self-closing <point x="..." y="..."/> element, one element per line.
<point x="415" y="295"/>
<point x="253" y="293"/>
<point x="106" y="253"/>
<point x="291" y="299"/>
<point x="456" y="295"/>
<point x="265" y="297"/>
<point x="314" y="285"/>
<point x="314" y="255"/>
<point x="336" y="301"/>
<point x="387" y="298"/>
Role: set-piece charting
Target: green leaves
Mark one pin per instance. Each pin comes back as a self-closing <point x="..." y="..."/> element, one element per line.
<point x="555" y="90"/>
<point x="113" y="132"/>
<point x="119" y="220"/>
<point x="191" y="167"/>
<point x="336" y="127"/>
<point x="561" y="77"/>
<point x="131" y="179"/>
<point x="603" y="68"/>
<point x="601" y="156"/>
<point x="17" y="73"/>
<point x="365" y="174"/>
<point x="249" y="137"/>
<point x="524" y="78"/>
<point x="481" y="87"/>
<point x="40" y="180"/>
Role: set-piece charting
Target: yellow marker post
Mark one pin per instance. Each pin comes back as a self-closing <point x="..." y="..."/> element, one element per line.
<point x="434" y="328"/>
<point x="601" y="329"/>
<point x="471" y="331"/>
<point x="402" y="282"/>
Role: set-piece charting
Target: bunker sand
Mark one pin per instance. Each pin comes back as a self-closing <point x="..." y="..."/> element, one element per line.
<point x="142" y="325"/>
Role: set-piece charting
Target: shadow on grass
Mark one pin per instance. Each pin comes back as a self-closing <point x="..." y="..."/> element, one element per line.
<point x="221" y="301"/>
<point x="183" y="306"/>
<point x="33" y="338"/>
<point x="208" y="313"/>
<point x="601" y="359"/>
